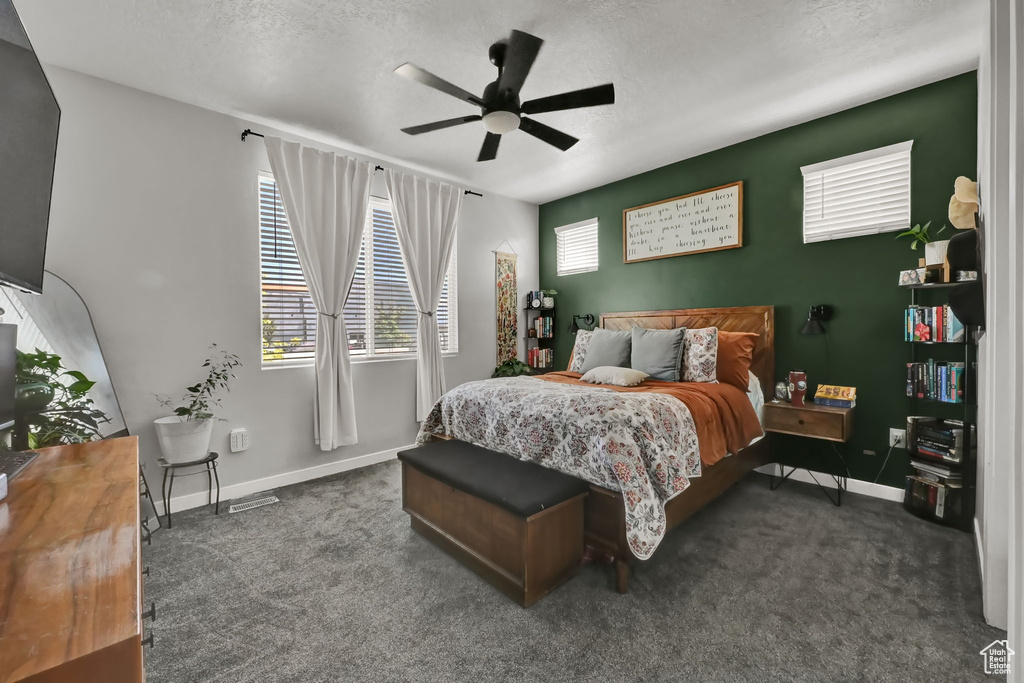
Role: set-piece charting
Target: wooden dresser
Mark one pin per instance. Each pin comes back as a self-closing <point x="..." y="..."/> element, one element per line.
<point x="70" y="569"/>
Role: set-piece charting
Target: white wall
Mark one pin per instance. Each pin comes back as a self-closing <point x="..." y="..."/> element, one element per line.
<point x="154" y="222"/>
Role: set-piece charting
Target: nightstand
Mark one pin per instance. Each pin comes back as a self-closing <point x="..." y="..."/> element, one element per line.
<point x="814" y="422"/>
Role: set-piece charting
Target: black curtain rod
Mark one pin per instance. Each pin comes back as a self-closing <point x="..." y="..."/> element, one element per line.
<point x="247" y="132"/>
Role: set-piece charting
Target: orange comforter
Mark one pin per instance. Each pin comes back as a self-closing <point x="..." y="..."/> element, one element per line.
<point x="725" y="418"/>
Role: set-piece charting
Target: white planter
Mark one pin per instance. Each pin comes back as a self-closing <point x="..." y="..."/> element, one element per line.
<point x="183" y="441"/>
<point x="935" y="252"/>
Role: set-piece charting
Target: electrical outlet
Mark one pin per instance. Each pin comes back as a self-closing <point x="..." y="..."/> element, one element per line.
<point x="897" y="437"/>
<point x="239" y="440"/>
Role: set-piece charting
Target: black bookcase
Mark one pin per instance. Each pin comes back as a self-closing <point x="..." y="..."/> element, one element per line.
<point x="540" y="342"/>
<point x="948" y="500"/>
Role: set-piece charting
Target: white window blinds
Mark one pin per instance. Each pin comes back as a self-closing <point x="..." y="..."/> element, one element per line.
<point x="576" y="247"/>
<point x="860" y="194"/>
<point x="380" y="292"/>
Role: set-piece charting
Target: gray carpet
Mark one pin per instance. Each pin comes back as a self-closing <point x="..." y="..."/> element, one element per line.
<point x="332" y="585"/>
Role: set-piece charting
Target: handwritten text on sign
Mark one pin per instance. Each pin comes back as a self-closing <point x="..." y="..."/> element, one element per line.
<point x="704" y="221"/>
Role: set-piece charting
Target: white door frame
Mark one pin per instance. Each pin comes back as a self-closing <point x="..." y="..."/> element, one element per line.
<point x="1000" y="515"/>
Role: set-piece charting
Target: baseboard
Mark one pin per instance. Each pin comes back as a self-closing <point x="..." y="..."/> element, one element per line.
<point x="865" y="488"/>
<point x="247" y="488"/>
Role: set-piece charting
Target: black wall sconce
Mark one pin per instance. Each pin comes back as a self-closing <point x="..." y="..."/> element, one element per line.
<point x="816" y="315"/>
<point x="586" y="318"/>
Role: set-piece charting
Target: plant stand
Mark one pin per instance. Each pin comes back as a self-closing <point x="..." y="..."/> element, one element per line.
<point x="171" y="470"/>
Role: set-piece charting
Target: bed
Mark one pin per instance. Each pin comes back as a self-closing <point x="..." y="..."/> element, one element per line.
<point x="497" y="415"/>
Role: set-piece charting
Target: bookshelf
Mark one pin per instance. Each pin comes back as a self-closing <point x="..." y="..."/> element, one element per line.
<point x="941" y="432"/>
<point x="540" y="351"/>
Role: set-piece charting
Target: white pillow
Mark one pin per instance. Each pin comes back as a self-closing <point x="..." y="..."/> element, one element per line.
<point x="610" y="374"/>
<point x="700" y="356"/>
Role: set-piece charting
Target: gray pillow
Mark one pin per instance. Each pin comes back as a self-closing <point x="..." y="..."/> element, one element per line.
<point x="607" y="348"/>
<point x="659" y="353"/>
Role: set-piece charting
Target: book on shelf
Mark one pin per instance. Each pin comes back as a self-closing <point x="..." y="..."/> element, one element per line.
<point x="933" y="323"/>
<point x="941" y="439"/>
<point x="540" y="358"/>
<point x="936" y="380"/>
<point x="935" y="472"/>
<point x="941" y="500"/>
<point x="836" y="396"/>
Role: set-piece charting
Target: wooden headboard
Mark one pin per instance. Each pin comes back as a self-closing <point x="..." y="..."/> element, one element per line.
<point x="759" y="319"/>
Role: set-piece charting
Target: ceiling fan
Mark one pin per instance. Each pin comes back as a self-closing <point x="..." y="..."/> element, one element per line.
<point x="500" y="108"/>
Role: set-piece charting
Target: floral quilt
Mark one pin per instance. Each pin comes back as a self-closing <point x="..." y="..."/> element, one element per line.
<point x="643" y="445"/>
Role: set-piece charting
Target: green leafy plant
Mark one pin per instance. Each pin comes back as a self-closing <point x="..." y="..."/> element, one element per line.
<point x="71" y="417"/>
<point x="511" y="368"/>
<point x="549" y="292"/>
<point x="199" y="399"/>
<point x="919" y="234"/>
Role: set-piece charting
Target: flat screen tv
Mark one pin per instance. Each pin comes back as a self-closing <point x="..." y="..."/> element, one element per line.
<point x="29" y="117"/>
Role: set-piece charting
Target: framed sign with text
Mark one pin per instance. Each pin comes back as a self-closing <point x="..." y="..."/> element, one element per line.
<point x="709" y="220"/>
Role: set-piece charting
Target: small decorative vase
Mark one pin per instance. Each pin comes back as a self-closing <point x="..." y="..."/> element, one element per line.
<point x="548" y="302"/>
<point x="935" y="252"/>
<point x="32" y="398"/>
<point x="183" y="441"/>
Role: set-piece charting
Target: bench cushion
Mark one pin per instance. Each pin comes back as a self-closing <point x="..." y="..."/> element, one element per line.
<point x="522" y="488"/>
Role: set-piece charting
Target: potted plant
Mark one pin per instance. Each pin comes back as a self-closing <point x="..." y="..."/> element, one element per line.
<point x="185" y="436"/>
<point x="934" y="250"/>
<point x="513" y="367"/>
<point x="548" y="298"/>
<point x="52" y="402"/>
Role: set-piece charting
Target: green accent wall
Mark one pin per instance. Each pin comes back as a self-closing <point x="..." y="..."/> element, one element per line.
<point x="864" y="344"/>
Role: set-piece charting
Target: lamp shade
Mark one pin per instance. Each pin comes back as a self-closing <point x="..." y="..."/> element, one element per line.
<point x="812" y="326"/>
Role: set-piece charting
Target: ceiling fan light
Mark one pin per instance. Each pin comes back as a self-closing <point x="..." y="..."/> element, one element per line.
<point x="501" y="122"/>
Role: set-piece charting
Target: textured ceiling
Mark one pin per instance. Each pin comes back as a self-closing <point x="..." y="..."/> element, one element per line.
<point x="690" y="76"/>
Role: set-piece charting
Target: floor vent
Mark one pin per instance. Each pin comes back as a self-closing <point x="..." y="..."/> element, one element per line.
<point x="249" y="505"/>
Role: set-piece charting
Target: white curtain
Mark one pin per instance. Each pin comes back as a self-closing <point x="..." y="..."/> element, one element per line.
<point x="425" y="213"/>
<point x="325" y="197"/>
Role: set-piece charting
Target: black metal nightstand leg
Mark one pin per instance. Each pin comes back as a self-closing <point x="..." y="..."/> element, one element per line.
<point x="781" y="477"/>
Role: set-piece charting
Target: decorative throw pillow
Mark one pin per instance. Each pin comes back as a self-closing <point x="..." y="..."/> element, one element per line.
<point x="735" y="353"/>
<point x="608" y="348"/>
<point x="579" y="350"/>
<point x="659" y="353"/>
<point x="623" y="377"/>
<point x="701" y="355"/>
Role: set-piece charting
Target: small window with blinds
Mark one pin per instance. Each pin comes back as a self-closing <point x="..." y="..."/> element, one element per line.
<point x="860" y="194"/>
<point x="380" y="313"/>
<point x="576" y="247"/>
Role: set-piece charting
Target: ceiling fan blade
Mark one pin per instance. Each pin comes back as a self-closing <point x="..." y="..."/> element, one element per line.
<point x="587" y="97"/>
<point x="548" y="134"/>
<point x="413" y="72"/>
<point x="489" y="150"/>
<point x="519" y="57"/>
<point x="438" y="125"/>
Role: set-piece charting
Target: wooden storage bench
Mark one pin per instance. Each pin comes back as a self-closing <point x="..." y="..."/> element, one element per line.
<point x="516" y="524"/>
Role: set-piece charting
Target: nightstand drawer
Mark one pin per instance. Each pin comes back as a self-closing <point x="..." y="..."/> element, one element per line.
<point x="818" y="422"/>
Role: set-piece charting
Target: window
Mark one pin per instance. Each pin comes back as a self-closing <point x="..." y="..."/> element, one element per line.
<point x="860" y="194"/>
<point x="380" y="313"/>
<point x="576" y="247"/>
